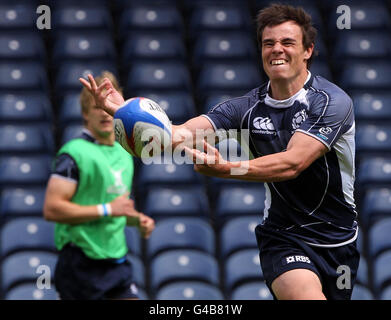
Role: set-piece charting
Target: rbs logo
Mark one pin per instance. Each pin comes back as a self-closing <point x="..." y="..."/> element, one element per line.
<point x="297" y="259"/>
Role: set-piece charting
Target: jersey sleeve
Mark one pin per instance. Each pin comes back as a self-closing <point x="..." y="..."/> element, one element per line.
<point x="65" y="166"/>
<point x="329" y="117"/>
<point x="225" y="115"/>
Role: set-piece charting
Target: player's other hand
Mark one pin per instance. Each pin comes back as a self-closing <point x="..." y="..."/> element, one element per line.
<point x="123" y="206"/>
<point x="105" y="96"/>
<point x="147" y="224"/>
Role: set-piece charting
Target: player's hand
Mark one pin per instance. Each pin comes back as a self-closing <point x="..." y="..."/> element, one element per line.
<point x="105" y="96"/>
<point x="147" y="224"/>
<point x="210" y="162"/>
<point x="123" y="206"/>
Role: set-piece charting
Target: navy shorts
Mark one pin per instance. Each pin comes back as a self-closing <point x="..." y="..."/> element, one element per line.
<point x="78" y="277"/>
<point x="280" y="253"/>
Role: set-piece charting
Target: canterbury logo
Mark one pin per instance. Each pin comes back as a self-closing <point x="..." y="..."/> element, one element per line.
<point x="263" y="124"/>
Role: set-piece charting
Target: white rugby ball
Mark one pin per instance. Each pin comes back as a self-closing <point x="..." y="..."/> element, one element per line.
<point x="142" y="127"/>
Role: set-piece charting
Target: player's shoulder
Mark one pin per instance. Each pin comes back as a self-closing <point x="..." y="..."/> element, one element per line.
<point x="325" y="89"/>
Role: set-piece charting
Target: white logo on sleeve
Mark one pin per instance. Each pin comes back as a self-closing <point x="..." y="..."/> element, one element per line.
<point x="297" y="259"/>
<point x="299" y="118"/>
<point x="325" y="130"/>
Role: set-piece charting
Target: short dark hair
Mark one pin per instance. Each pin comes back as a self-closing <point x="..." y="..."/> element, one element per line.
<point x="276" y="14"/>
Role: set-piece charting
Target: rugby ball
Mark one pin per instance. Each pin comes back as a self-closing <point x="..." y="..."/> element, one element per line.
<point x="142" y="127"/>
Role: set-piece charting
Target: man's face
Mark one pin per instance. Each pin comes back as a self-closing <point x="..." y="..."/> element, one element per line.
<point x="98" y="121"/>
<point x="283" y="54"/>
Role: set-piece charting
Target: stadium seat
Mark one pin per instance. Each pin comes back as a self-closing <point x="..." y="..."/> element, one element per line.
<point x="239" y="201"/>
<point x="26" y="234"/>
<point x="374" y="172"/>
<point x="142" y="294"/>
<point x="24" y="171"/>
<point x="385" y="294"/>
<point x="27" y="266"/>
<point x="67" y="77"/>
<point x="366" y="75"/>
<point x="254" y="290"/>
<point x="133" y="240"/>
<point x="160" y="76"/>
<point x="223" y="77"/>
<point x="362" y="272"/>
<point x="361" y="292"/>
<point x="138" y="270"/>
<point x="179" y="106"/>
<point x="150" y="17"/>
<point x="22" y="202"/>
<point x="83" y="45"/>
<point x="26" y="139"/>
<point x="212" y="46"/>
<point x="381" y="271"/>
<point x="181" y="233"/>
<point x="166" y="175"/>
<point x="237" y="234"/>
<point x="23" y="107"/>
<point x="71" y="131"/>
<point x="321" y="68"/>
<point x="152" y="45"/>
<point x="376" y="205"/>
<point x="70" y="110"/>
<point x="22" y="76"/>
<point x="183" y="265"/>
<point x="371" y="139"/>
<point x="189" y="290"/>
<point x="371" y="106"/>
<point x="169" y="202"/>
<point x="379" y="237"/>
<point x="23" y="45"/>
<point x="18" y="16"/>
<point x="240" y="267"/>
<point x="29" y="291"/>
<point x="81" y="16"/>
<point x="361" y="44"/>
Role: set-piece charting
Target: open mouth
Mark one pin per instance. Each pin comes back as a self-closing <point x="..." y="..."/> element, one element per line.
<point x="278" y="62"/>
<point x="106" y="122"/>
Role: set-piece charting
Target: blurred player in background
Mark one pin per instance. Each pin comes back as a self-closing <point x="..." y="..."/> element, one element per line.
<point x="88" y="197"/>
<point x="301" y="130"/>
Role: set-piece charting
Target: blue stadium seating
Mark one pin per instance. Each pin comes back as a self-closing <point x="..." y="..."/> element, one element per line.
<point x="23" y="266"/>
<point x="379" y="238"/>
<point x="34" y="107"/>
<point x="23" y="45"/>
<point x="17" y="202"/>
<point x="133" y="240"/>
<point x="181" y="233"/>
<point x="385" y="294"/>
<point x="361" y="292"/>
<point x="83" y="45"/>
<point x="183" y="265"/>
<point x="321" y="68"/>
<point x="254" y="290"/>
<point x="240" y="267"/>
<point x="138" y="270"/>
<point x="167" y="175"/>
<point x="161" y="76"/>
<point x="376" y="205"/>
<point x="362" y="272"/>
<point x="169" y="202"/>
<point x="371" y="106"/>
<point x="240" y="200"/>
<point x="24" y="170"/>
<point x="152" y="45"/>
<point x="26" y="139"/>
<point x="223" y="77"/>
<point x="189" y="290"/>
<point x="70" y="110"/>
<point x="26" y="234"/>
<point x="237" y="234"/>
<point x="381" y="271"/>
<point x="71" y="131"/>
<point x="29" y="291"/>
<point x="366" y="75"/>
<point x="23" y="76"/>
<point x="222" y="46"/>
<point x="374" y="172"/>
<point x="373" y="139"/>
<point x="15" y="16"/>
<point x="179" y="106"/>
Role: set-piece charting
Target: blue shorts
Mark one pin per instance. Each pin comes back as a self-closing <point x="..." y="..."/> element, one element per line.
<point x="280" y="253"/>
<point x="78" y="277"/>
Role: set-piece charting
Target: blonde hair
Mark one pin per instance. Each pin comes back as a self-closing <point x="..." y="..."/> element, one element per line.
<point x="86" y="98"/>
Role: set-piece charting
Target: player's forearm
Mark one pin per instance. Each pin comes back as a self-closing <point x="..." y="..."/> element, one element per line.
<point x="62" y="211"/>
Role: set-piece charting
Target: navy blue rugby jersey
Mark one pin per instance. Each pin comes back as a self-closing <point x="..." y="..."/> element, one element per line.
<point x="318" y="206"/>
